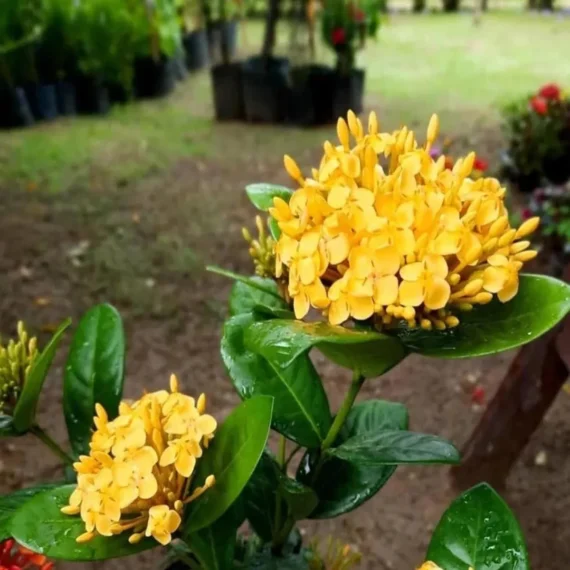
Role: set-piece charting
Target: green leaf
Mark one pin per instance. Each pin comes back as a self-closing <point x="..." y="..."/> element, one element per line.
<point x="394" y="447"/>
<point x="353" y="483"/>
<point x="478" y="531"/>
<point x="244" y="298"/>
<point x="94" y="373"/>
<point x="539" y="305"/>
<point x="250" y="281"/>
<point x="261" y="194"/>
<point x="260" y="497"/>
<point x="301" y="410"/>
<point x="215" y="545"/>
<point x="274" y="228"/>
<point x="25" y="410"/>
<point x="40" y="526"/>
<point x="7" y="428"/>
<point x="266" y="561"/>
<point x="231" y="458"/>
<point x="300" y="499"/>
<point x="9" y="504"/>
<point x="281" y="341"/>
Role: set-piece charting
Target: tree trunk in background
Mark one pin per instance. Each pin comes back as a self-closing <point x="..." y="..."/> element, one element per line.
<point x="450" y="5"/>
<point x="419" y="5"/>
<point x="270" y="28"/>
<point x="531" y="4"/>
<point x="546" y="5"/>
<point x="484" y="5"/>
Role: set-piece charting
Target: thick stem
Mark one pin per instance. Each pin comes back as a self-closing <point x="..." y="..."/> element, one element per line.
<point x="281" y="459"/>
<point x="270" y="29"/>
<point x="49" y="442"/>
<point x="357" y="382"/>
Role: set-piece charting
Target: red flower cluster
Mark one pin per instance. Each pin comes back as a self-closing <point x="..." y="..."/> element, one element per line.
<point x="16" y="557"/>
<point x="338" y="36"/>
<point x="548" y="92"/>
<point x="480" y="164"/>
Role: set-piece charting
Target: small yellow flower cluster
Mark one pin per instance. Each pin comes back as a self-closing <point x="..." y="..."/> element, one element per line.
<point x="16" y="361"/>
<point x="431" y="566"/>
<point x="137" y="474"/>
<point x="381" y="228"/>
<point x="335" y="556"/>
<point x="261" y="249"/>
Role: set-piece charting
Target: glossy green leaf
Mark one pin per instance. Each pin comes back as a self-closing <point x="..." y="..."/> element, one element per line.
<point x="94" y="373"/>
<point x="301" y="500"/>
<point x="250" y="281"/>
<point x="274" y="228"/>
<point x="394" y="447"/>
<point x="353" y="483"/>
<point x="215" y="545"/>
<point x="244" y="298"/>
<point x="260" y="497"/>
<point x="282" y="341"/>
<point x="40" y="526"/>
<point x="7" y="428"/>
<point x="301" y="410"/>
<point x="231" y="458"/>
<point x="479" y="531"/>
<point x="539" y="305"/>
<point x="9" y="504"/>
<point x="266" y="561"/>
<point x="25" y="411"/>
<point x="261" y="194"/>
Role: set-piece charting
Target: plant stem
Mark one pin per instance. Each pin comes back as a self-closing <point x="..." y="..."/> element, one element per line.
<point x="282" y="535"/>
<point x="357" y="382"/>
<point x="292" y="454"/>
<point x="49" y="442"/>
<point x="278" y="499"/>
<point x="282" y="452"/>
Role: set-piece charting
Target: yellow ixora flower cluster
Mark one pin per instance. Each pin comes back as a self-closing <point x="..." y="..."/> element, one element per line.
<point x="137" y="474"/>
<point x="381" y="228"/>
<point x="431" y="566"/>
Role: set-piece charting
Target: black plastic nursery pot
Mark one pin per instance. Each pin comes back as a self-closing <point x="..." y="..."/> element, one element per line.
<point x="66" y="97"/>
<point x="557" y="169"/>
<point x="266" y="89"/>
<point x="349" y="93"/>
<point x="42" y="99"/>
<point x="214" y="34"/>
<point x="92" y="96"/>
<point x="228" y="92"/>
<point x="312" y="95"/>
<point x="119" y="94"/>
<point x="229" y="37"/>
<point x="15" y="109"/>
<point x="154" y="78"/>
<point x="179" y="63"/>
<point x="196" y="47"/>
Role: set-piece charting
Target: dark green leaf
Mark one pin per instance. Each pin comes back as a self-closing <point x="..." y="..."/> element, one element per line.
<point x="301" y="411"/>
<point x="250" y="281"/>
<point x="215" y="545"/>
<point x="260" y="497"/>
<point x="40" y="526"/>
<point x="266" y="561"/>
<point x="25" y="410"/>
<point x="282" y="341"/>
<point x="244" y="298"/>
<point x="7" y="428"/>
<point x="539" y="305"/>
<point x="353" y="483"/>
<point x="9" y="504"/>
<point x="479" y="531"/>
<point x="262" y="194"/>
<point x="300" y="499"/>
<point x="231" y="458"/>
<point x="94" y="373"/>
<point x="395" y="448"/>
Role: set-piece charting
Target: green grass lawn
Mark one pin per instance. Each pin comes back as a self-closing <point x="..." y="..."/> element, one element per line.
<point x="419" y="64"/>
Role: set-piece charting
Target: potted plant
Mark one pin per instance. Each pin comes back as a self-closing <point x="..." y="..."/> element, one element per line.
<point x="537" y="130"/>
<point x="159" y="39"/>
<point x="195" y="38"/>
<point x="55" y="52"/>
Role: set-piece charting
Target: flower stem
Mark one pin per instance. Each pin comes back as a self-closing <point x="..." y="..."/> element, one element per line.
<point x="357" y="382"/>
<point x="49" y="442"/>
<point x="282" y="452"/>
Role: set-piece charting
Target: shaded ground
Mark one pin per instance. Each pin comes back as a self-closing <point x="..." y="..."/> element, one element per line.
<point x="128" y="210"/>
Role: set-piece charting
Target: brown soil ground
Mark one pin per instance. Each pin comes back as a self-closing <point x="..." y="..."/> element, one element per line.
<point x="142" y="247"/>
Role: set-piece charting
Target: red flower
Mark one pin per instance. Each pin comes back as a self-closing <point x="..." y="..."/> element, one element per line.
<point x="550" y="91"/>
<point x="15" y="557"/>
<point x="526" y="214"/>
<point x="480" y="164"/>
<point x="359" y="15"/>
<point x="338" y="36"/>
<point x="478" y="395"/>
<point x="539" y="105"/>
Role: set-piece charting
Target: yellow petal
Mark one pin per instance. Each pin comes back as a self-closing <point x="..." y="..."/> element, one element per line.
<point x="148" y="487"/>
<point x="412" y="271"/>
<point x="185" y="463"/>
<point x="487" y="213"/>
<point x="494" y="279"/>
<point x="338" y="196"/>
<point x="122" y="473"/>
<point x="361" y="308"/>
<point x="436" y="265"/>
<point x="206" y="424"/>
<point x="447" y="243"/>
<point x="103" y="525"/>
<point x="497" y="260"/>
<point x="386" y="290"/>
<point x="360" y="262"/>
<point x="350" y="165"/>
<point x="386" y="261"/>
<point x="526" y="255"/>
<point x="317" y="295"/>
<point x="168" y="457"/>
<point x="339" y="311"/>
<point x="301" y="305"/>
<point x="307" y="270"/>
<point x="438" y="292"/>
<point x="173" y="521"/>
<point x="336" y="290"/>
<point x="338" y="249"/>
<point x="309" y="244"/>
<point x="128" y="495"/>
<point x="411" y="294"/>
<point x="510" y="290"/>
<point x="404" y="241"/>
<point x="527" y="227"/>
<point x="404" y="216"/>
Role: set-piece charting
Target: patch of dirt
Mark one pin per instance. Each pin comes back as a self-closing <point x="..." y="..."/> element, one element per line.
<point x="143" y="247"/>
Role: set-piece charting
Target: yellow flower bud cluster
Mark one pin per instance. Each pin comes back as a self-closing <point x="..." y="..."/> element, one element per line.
<point x="431" y="566"/>
<point x="261" y="249"/>
<point x="334" y="555"/>
<point x="137" y="474"/>
<point x="16" y="361"/>
<point x="381" y="228"/>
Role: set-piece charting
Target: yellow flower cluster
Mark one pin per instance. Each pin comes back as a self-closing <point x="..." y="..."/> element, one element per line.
<point x="333" y="555"/>
<point x="431" y="566"/>
<point x="16" y="361"/>
<point x="137" y="474"/>
<point x="381" y="228"/>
